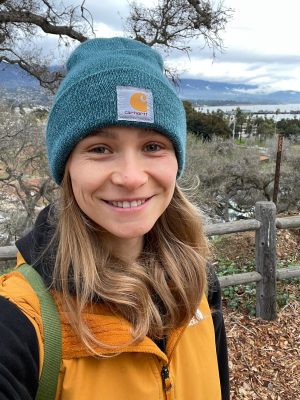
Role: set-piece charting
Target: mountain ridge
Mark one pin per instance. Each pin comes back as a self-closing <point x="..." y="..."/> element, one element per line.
<point x="12" y="77"/>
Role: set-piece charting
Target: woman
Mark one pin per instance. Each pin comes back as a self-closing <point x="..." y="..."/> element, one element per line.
<point x="123" y="252"/>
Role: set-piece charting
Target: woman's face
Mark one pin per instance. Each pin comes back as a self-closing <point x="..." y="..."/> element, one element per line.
<point x="123" y="178"/>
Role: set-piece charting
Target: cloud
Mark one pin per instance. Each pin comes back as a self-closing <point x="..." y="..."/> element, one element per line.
<point x="111" y="13"/>
<point x="270" y="72"/>
<point x="261" y="43"/>
<point x="258" y="57"/>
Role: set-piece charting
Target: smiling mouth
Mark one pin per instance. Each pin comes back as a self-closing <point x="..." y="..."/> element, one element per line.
<point x="126" y="204"/>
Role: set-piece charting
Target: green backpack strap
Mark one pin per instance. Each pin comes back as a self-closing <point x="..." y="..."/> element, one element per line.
<point x="52" y="334"/>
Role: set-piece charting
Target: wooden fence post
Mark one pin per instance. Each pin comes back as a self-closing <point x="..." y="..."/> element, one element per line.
<point x="265" y="249"/>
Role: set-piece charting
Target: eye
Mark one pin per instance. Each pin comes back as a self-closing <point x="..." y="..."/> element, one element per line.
<point x="99" y="150"/>
<point x="152" y="147"/>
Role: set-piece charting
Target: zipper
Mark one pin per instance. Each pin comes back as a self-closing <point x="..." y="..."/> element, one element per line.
<point x="166" y="381"/>
<point x="165" y="374"/>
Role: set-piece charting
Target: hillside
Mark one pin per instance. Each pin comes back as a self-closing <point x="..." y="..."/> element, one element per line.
<point x="224" y="92"/>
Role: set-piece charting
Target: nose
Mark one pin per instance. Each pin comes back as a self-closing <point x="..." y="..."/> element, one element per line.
<point x="130" y="173"/>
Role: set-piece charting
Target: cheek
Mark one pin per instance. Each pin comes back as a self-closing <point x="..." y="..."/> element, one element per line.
<point x="83" y="188"/>
<point x="167" y="176"/>
<point x="78" y="193"/>
<point x="81" y="184"/>
<point x="168" y="173"/>
<point x="83" y="177"/>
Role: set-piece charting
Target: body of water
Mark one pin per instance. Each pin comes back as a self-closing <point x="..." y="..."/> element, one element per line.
<point x="275" y="111"/>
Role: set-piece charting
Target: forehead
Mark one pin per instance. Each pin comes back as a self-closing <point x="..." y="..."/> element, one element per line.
<point x="113" y="132"/>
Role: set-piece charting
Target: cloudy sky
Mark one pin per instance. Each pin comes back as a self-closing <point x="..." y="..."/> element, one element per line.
<point x="262" y="43"/>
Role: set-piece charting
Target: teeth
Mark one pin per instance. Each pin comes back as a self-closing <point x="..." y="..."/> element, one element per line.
<point x="127" y="204"/>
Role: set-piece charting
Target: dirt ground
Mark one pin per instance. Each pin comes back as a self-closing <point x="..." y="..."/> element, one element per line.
<point x="240" y="247"/>
<point x="264" y="356"/>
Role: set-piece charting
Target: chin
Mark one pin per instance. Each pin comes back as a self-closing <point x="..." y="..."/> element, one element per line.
<point x="129" y="236"/>
<point x="131" y="233"/>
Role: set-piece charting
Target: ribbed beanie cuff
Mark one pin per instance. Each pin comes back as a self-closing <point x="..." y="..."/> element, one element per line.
<point x="113" y="82"/>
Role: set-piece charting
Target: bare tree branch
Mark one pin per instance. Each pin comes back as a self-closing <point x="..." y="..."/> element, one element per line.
<point x="173" y="23"/>
<point x="49" y="80"/>
<point x="30" y="18"/>
<point x="89" y="21"/>
<point x="25" y="183"/>
<point x="22" y="21"/>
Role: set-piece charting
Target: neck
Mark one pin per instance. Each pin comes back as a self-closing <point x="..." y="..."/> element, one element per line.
<point x="127" y="250"/>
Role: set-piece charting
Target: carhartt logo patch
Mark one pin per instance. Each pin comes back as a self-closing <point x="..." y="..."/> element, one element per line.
<point x="134" y="104"/>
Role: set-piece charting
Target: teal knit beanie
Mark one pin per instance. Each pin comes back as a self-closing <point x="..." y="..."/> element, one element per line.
<point x="109" y="82"/>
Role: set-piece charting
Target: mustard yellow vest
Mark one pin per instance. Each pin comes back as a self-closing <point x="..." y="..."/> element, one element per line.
<point x="136" y="372"/>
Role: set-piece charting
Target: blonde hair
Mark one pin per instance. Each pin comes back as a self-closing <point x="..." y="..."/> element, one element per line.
<point x="157" y="293"/>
